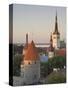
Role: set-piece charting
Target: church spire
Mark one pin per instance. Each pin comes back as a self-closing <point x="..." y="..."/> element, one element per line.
<point x="56" y="16"/>
<point x="56" y="25"/>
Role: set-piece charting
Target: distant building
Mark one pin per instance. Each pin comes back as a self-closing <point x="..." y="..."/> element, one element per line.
<point x="56" y="36"/>
<point x="43" y="58"/>
<point x="60" y="52"/>
<point x="54" y="40"/>
<point x="62" y="44"/>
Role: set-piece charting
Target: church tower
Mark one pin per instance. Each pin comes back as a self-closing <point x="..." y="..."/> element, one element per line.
<point x="51" y="44"/>
<point x="51" y="49"/>
<point x="56" y="36"/>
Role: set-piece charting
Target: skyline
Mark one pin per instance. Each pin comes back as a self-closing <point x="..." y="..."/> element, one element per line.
<point x="38" y="21"/>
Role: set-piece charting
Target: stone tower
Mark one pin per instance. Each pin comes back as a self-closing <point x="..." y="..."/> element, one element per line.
<point x="31" y="65"/>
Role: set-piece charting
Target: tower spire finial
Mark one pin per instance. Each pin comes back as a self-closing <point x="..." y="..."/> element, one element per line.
<point x="56" y="25"/>
<point x="56" y="15"/>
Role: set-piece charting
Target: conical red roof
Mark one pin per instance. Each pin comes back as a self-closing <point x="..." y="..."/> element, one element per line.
<point x="31" y="53"/>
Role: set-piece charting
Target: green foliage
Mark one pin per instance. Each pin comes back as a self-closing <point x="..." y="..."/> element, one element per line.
<point x="56" y="78"/>
<point x="56" y="62"/>
<point x="16" y="64"/>
<point x="46" y="69"/>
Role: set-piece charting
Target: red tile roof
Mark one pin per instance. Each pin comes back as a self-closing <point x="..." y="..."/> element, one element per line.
<point x="61" y="52"/>
<point x="31" y="53"/>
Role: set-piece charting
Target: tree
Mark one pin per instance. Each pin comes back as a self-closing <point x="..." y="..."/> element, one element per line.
<point x="56" y="78"/>
<point x="16" y="64"/>
<point x="46" y="68"/>
<point x="58" y="62"/>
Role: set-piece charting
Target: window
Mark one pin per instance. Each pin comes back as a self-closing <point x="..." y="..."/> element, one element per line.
<point x="28" y="62"/>
<point x="35" y="62"/>
<point x="54" y="37"/>
<point x="58" y="36"/>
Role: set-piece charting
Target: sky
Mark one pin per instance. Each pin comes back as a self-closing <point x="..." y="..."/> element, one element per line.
<point x="38" y="22"/>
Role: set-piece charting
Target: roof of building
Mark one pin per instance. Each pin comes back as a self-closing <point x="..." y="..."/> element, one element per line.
<point x="61" y="52"/>
<point x="31" y="53"/>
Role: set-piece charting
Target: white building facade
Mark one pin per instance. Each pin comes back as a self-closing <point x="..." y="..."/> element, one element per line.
<point x="56" y="41"/>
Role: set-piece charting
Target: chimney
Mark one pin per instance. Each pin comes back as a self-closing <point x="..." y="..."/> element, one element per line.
<point x="27" y="39"/>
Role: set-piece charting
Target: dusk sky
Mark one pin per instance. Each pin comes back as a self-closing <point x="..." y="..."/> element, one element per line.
<point x="38" y="22"/>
